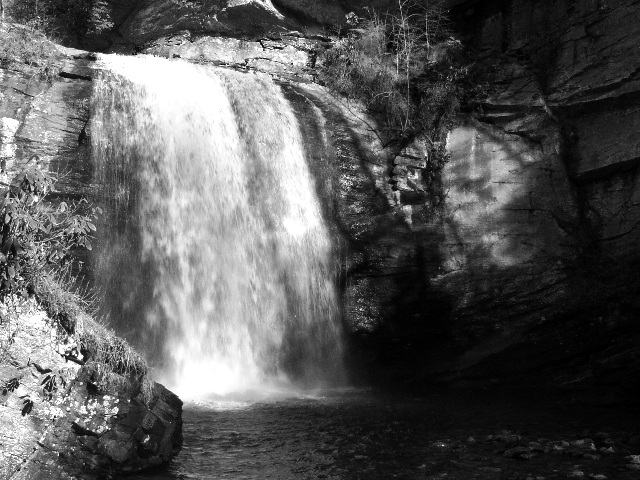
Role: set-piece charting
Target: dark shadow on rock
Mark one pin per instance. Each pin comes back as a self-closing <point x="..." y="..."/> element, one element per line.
<point x="392" y="313"/>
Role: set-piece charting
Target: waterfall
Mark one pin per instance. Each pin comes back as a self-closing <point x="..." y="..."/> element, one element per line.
<point x="214" y="257"/>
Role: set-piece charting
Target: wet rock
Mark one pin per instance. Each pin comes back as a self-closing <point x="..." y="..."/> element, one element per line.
<point x="509" y="439"/>
<point x="523" y="453"/>
<point x="634" y="462"/>
<point x="536" y="447"/>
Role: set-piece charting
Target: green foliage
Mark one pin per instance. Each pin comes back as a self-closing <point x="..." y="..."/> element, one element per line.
<point x="50" y="16"/>
<point x="66" y="20"/>
<point x="104" y="347"/>
<point x="404" y="67"/>
<point x="100" y="18"/>
<point x="27" y="405"/>
<point x="35" y="234"/>
<point x="24" y="46"/>
<point x="9" y="386"/>
<point x="57" y="292"/>
<point x="50" y="385"/>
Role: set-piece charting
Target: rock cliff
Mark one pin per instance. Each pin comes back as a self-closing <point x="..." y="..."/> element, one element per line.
<point x="539" y="228"/>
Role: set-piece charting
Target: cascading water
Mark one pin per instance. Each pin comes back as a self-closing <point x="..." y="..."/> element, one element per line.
<point x="216" y="257"/>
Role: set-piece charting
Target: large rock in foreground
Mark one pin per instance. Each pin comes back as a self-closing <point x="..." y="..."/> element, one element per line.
<point x="59" y="420"/>
<point x="107" y="433"/>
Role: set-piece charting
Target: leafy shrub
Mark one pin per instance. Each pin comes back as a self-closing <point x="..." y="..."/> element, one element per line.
<point x="36" y="235"/>
<point x="10" y="386"/>
<point x="49" y="15"/>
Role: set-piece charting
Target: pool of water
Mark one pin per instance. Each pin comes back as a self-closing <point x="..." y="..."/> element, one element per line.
<point x="361" y="434"/>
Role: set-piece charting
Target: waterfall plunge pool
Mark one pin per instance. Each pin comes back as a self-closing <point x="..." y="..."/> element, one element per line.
<point x="351" y="434"/>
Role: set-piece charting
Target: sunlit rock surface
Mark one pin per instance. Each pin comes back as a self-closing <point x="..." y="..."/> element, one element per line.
<point x="141" y="21"/>
<point x="289" y="56"/>
<point x="153" y="18"/>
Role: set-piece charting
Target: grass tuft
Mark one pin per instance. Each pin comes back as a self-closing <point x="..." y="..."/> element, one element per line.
<point x="103" y="346"/>
<point x="115" y="364"/>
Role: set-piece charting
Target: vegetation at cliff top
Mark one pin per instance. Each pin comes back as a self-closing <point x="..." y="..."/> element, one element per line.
<point x="68" y="21"/>
<point x="404" y="66"/>
<point x="20" y="45"/>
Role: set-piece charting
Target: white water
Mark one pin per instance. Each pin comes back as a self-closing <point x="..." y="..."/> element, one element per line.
<point x="216" y="239"/>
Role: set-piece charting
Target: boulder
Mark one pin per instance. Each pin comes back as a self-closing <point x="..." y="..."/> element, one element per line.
<point x="57" y="420"/>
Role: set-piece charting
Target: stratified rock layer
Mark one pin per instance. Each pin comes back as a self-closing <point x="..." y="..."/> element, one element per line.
<point x="524" y="263"/>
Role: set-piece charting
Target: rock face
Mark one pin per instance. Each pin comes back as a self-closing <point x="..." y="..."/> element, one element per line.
<point x="45" y="116"/>
<point x="533" y="254"/>
<point x="525" y="262"/>
<point x="289" y="55"/>
<point x="249" y="18"/>
<point x="137" y="22"/>
<point x="107" y="433"/>
<point x="281" y="37"/>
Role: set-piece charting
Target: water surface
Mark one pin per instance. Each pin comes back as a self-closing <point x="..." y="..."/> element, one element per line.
<point x="360" y="434"/>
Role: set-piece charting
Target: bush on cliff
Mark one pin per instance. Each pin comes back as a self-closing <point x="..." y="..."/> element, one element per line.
<point x="404" y="66"/>
<point x="36" y="236"/>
